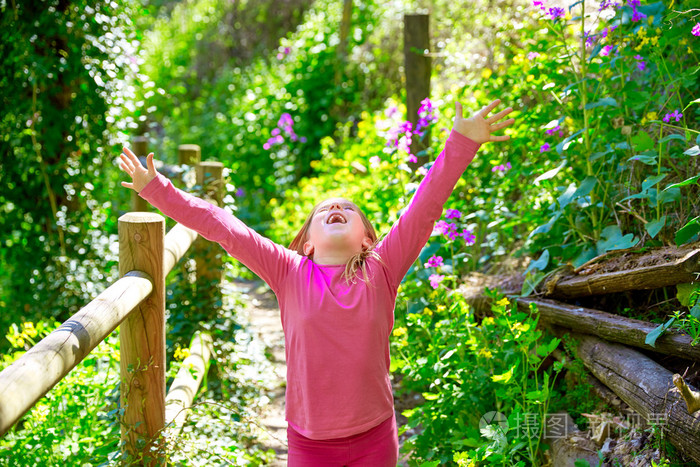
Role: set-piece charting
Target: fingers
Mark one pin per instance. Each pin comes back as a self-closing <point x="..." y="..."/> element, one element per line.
<point x="485" y="111"/>
<point x="499" y="115"/>
<point x="502" y="125"/>
<point x="458" y="110"/>
<point x="128" y="185"/>
<point x="126" y="164"/>
<point x="151" y="166"/>
<point x="499" y="138"/>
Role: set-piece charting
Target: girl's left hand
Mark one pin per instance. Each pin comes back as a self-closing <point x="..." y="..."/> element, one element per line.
<point x="479" y="127"/>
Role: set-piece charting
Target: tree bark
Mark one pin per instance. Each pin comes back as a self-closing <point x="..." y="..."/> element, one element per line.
<point x="682" y="270"/>
<point x="611" y="327"/>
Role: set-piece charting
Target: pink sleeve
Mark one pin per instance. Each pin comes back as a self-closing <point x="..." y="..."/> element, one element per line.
<point x="401" y="246"/>
<point x="264" y="257"/>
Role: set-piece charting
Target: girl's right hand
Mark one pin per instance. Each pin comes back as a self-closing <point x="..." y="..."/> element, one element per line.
<point x="140" y="177"/>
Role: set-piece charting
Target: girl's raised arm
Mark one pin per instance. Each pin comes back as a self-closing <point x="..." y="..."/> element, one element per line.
<point x="401" y="246"/>
<point x="264" y="257"/>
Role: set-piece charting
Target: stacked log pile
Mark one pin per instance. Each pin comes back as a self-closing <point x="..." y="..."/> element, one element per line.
<point x="613" y="347"/>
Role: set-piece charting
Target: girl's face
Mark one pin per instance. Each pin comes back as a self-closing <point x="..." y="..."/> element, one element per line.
<point x="336" y="226"/>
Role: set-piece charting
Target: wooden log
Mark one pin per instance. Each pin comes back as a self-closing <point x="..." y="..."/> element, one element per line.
<point x="416" y="40"/>
<point x="139" y="146"/>
<point x="142" y="338"/>
<point x="645" y="386"/>
<point x="611" y="327"/>
<point x="189" y="154"/>
<point x="209" y="255"/>
<point x="187" y="381"/>
<point x="177" y="242"/>
<point x="29" y="378"/>
<point x="682" y="270"/>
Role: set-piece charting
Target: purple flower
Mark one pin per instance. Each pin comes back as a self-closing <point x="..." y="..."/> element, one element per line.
<point x="453" y="214"/>
<point x="556" y="12"/>
<point x="552" y="130"/>
<point x="469" y="237"/>
<point x="641" y="66"/>
<point x="633" y="3"/>
<point x="435" y="280"/>
<point x="606" y="50"/>
<point x="675" y="114"/>
<point x="533" y="55"/>
<point x="422" y="171"/>
<point x="374" y="161"/>
<point x="538" y="3"/>
<point x="240" y="192"/>
<point x="636" y="15"/>
<point x="696" y="30"/>
<point x="412" y="158"/>
<point x="391" y="111"/>
<point x="501" y="167"/>
<point x="545" y="147"/>
<point x="434" y="262"/>
<point x="443" y="227"/>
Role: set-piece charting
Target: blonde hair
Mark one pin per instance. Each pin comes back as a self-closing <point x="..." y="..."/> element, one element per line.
<point x="358" y="261"/>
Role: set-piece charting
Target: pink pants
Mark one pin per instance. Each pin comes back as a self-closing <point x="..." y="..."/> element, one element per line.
<point x="377" y="447"/>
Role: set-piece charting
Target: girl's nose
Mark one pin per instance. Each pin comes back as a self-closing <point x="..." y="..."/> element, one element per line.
<point x="335" y="205"/>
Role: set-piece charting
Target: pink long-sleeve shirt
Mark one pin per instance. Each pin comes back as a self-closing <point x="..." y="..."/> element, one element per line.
<point x="336" y="335"/>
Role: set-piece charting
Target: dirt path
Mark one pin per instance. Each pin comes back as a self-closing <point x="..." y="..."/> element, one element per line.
<point x="263" y="318"/>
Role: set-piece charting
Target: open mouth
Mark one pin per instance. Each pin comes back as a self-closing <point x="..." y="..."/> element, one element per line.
<point x="336" y="218"/>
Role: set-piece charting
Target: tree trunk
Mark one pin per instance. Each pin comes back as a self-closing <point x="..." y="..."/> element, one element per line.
<point x="611" y="327"/>
<point x="679" y="271"/>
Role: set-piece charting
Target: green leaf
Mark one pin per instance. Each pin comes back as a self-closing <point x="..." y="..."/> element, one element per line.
<point x="581" y="463"/>
<point x="567" y="196"/>
<point x="651" y="181"/>
<point x="683" y="183"/>
<point x="550" y="173"/>
<point x="540" y="264"/>
<point x="642" y="141"/>
<point x="685" y="291"/>
<point x="606" y="101"/>
<point x="505" y="377"/>
<point x="695" y="311"/>
<point x="672" y="137"/>
<point x="646" y="157"/>
<point x="656" y="333"/>
<point x="688" y="231"/>
<point x="654" y="227"/>
<point x="612" y="239"/>
<point x="430" y="396"/>
<point x="531" y="282"/>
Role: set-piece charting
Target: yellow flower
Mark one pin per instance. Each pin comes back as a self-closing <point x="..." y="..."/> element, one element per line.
<point x="398" y="332"/>
<point x="650" y="19"/>
<point x="651" y="116"/>
<point x="485" y="353"/>
<point x="440" y="308"/>
<point x="504" y="302"/>
<point x="642" y="32"/>
<point x="488" y="321"/>
<point x="530" y="78"/>
<point x="683" y="41"/>
<point x="486" y="73"/>
<point x="428" y="311"/>
<point x="180" y="353"/>
<point x="655" y="41"/>
<point x="28" y="329"/>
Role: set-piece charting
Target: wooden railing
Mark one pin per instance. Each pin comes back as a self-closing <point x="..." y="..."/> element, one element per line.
<point x="136" y="303"/>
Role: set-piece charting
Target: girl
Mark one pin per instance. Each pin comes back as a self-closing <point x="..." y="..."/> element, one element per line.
<point x="339" y="403"/>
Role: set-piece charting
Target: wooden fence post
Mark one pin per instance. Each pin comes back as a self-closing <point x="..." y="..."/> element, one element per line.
<point x="210" y="176"/>
<point x="416" y="40"/>
<point x="139" y="146"/>
<point x="189" y="154"/>
<point x="142" y="339"/>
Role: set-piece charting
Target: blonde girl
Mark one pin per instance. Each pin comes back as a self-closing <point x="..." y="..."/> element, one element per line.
<point x="336" y="286"/>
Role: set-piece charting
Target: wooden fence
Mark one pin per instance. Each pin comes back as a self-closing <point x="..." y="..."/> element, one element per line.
<point x="136" y="302"/>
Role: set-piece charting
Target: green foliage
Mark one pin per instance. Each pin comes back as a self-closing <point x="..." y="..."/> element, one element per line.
<point x="77" y="421"/>
<point x="468" y="371"/>
<point x="62" y="66"/>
